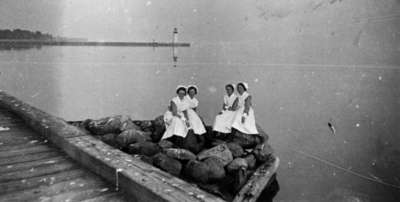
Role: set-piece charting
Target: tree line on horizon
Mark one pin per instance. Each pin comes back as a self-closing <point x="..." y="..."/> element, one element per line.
<point x="24" y="34"/>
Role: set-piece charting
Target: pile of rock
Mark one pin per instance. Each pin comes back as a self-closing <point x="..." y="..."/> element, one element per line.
<point x="218" y="163"/>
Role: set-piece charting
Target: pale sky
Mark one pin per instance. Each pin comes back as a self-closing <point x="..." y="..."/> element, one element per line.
<point x="301" y="31"/>
<point x="127" y="19"/>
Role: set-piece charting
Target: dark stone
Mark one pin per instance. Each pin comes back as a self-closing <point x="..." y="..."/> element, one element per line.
<point x="217" y="142"/>
<point x="180" y="154"/>
<point x="193" y="142"/>
<point x="144" y="148"/>
<point x="144" y="125"/>
<point x="236" y="164"/>
<point x="105" y="125"/>
<point x="109" y="139"/>
<point x="165" y="144"/>
<point x="236" y="149"/>
<point x="240" y="178"/>
<point x="246" y="140"/>
<point x="197" y="170"/>
<point x="132" y="136"/>
<point x="216" y="169"/>
<point x="147" y="159"/>
<point x="159" y="129"/>
<point x="127" y="124"/>
<point x="251" y="161"/>
<point x="221" y="151"/>
<point x="167" y="164"/>
<point x="263" y="152"/>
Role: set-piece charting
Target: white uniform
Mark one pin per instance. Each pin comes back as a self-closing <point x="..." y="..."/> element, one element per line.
<point x="175" y="125"/>
<point x="223" y="122"/>
<point x="249" y="125"/>
<point x="194" y="120"/>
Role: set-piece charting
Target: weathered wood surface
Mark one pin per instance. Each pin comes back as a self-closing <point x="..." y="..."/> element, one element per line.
<point x="33" y="170"/>
<point x="142" y="181"/>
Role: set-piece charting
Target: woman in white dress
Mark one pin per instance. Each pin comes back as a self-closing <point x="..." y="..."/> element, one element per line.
<point x="244" y="120"/>
<point x="223" y="121"/>
<point x="176" y="118"/>
<point x="194" y="120"/>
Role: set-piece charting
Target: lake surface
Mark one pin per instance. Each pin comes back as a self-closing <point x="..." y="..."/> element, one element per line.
<point x="292" y="102"/>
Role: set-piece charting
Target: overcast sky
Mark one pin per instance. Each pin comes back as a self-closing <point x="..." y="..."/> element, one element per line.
<point x="306" y="31"/>
<point x="129" y="20"/>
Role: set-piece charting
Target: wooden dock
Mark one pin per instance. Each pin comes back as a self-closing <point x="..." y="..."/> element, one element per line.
<point x="32" y="169"/>
<point x="138" y="180"/>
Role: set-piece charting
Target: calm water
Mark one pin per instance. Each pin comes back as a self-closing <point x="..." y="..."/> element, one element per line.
<point x="293" y="103"/>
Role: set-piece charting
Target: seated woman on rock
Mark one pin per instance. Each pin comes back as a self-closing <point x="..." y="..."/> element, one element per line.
<point x="223" y="121"/>
<point x="176" y="118"/>
<point x="244" y="120"/>
<point x="194" y="120"/>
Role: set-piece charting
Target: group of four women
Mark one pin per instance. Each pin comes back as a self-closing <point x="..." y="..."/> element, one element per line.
<point x="237" y="112"/>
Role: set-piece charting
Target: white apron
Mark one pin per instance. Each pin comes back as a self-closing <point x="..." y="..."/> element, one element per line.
<point x="249" y="125"/>
<point x="223" y="122"/>
<point x="194" y="120"/>
<point x="175" y="125"/>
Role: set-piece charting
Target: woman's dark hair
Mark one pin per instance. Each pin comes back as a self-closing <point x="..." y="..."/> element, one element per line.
<point x="192" y="88"/>
<point x="230" y="86"/>
<point x="179" y="89"/>
<point x="244" y="87"/>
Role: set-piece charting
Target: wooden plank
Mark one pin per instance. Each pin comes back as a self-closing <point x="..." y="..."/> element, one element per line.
<point x="257" y="182"/>
<point x="29" y="157"/>
<point x="31" y="164"/>
<point x="29" y="150"/>
<point x="52" y="188"/>
<point x="28" y="183"/>
<point x="18" y="138"/>
<point x="141" y="180"/>
<point x="31" y="143"/>
<point x="37" y="171"/>
<point x="110" y="197"/>
<point x="145" y="181"/>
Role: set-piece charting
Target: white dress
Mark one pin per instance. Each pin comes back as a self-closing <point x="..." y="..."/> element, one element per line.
<point x="194" y="120"/>
<point x="175" y="125"/>
<point x="223" y="122"/>
<point x="249" y="125"/>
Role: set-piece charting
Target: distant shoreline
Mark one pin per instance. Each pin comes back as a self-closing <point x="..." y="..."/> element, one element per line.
<point x="30" y="42"/>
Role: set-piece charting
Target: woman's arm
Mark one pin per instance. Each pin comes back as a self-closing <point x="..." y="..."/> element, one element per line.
<point x="174" y="109"/>
<point x="187" y="118"/>
<point x="247" y="105"/>
<point x="235" y="104"/>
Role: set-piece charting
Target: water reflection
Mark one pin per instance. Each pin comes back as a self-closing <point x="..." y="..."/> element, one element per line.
<point x="292" y="103"/>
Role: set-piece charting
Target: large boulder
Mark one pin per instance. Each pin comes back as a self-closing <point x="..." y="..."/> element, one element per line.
<point x="221" y="152"/>
<point x="236" y="149"/>
<point x="197" y="171"/>
<point x="216" y="169"/>
<point x="167" y="164"/>
<point x="132" y="136"/>
<point x="263" y="152"/>
<point x="165" y="144"/>
<point x="109" y="139"/>
<point x="145" y="125"/>
<point x="105" y="125"/>
<point x="159" y="128"/>
<point x="180" y="154"/>
<point x="236" y="164"/>
<point x="127" y="124"/>
<point x="240" y="178"/>
<point x="247" y="140"/>
<point x="251" y="161"/>
<point x="193" y="142"/>
<point x="144" y="148"/>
